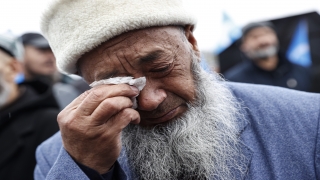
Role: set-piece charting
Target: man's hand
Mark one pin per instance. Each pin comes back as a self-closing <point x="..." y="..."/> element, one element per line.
<point x="91" y="125"/>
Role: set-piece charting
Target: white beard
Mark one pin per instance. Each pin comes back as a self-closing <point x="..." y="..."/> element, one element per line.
<point x="201" y="144"/>
<point x="4" y="91"/>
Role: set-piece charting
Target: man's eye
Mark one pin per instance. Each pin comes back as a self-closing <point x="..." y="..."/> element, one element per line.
<point x="161" y="69"/>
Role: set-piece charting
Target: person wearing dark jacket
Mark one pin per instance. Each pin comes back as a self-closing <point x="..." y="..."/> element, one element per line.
<point x="39" y="63"/>
<point x="266" y="64"/>
<point x="28" y="114"/>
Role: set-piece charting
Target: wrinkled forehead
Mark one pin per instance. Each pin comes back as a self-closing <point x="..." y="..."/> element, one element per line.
<point x="152" y="35"/>
<point x="136" y="42"/>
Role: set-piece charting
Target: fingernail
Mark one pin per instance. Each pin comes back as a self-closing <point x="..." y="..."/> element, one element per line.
<point x="134" y="89"/>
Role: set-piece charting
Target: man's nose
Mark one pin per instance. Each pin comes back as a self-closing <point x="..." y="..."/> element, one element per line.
<point x="150" y="97"/>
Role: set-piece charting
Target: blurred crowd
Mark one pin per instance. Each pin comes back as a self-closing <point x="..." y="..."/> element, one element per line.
<point x="32" y="93"/>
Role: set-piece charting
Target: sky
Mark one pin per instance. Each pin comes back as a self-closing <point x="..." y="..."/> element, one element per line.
<point x="19" y="16"/>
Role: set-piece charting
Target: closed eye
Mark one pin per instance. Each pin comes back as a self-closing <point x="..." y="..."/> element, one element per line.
<point x="162" y="69"/>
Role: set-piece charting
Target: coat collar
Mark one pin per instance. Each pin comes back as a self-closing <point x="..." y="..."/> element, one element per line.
<point x="245" y="152"/>
<point x="246" y="158"/>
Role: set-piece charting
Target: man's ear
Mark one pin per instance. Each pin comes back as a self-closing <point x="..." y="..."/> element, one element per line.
<point x="192" y="40"/>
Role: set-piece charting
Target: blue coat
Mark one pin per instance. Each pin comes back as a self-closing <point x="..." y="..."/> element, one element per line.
<point x="280" y="139"/>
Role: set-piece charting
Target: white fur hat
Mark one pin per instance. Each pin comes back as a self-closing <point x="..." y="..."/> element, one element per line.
<point x="74" y="27"/>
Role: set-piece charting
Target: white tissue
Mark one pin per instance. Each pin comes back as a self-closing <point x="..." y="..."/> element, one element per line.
<point x="138" y="83"/>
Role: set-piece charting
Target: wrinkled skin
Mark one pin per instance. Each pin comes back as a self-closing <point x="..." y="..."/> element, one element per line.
<point x="91" y="125"/>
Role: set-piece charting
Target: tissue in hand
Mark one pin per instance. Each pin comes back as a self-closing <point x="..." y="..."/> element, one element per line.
<point x="138" y="83"/>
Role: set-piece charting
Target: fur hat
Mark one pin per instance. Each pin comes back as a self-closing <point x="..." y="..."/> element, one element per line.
<point x="74" y="27"/>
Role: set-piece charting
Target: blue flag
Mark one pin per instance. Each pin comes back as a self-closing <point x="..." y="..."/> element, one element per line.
<point x="299" y="49"/>
<point x="231" y="32"/>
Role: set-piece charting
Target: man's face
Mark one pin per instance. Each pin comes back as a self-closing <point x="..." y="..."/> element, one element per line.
<point x="260" y="43"/>
<point x="39" y="61"/>
<point x="162" y="55"/>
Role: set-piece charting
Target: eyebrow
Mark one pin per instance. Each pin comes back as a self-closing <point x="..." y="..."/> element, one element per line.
<point x="106" y="75"/>
<point x="150" y="57"/>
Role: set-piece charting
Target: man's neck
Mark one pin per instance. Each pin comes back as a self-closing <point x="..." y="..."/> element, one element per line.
<point x="268" y="64"/>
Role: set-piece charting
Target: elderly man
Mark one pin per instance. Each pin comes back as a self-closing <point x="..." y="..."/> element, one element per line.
<point x="40" y="63"/>
<point x="188" y="124"/>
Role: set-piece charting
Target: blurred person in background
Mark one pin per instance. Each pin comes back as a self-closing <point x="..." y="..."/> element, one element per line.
<point x="28" y="113"/>
<point x="40" y="63"/>
<point x="267" y="65"/>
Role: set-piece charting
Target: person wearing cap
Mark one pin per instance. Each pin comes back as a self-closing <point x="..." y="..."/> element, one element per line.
<point x="39" y="63"/>
<point x="28" y="113"/>
<point x="266" y="64"/>
<point x="187" y="124"/>
<point x="38" y="58"/>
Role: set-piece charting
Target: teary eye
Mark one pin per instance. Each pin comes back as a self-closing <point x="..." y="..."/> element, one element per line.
<point x="161" y="69"/>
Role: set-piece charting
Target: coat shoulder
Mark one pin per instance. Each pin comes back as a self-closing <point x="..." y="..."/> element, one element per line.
<point x="256" y="95"/>
<point x="282" y="131"/>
